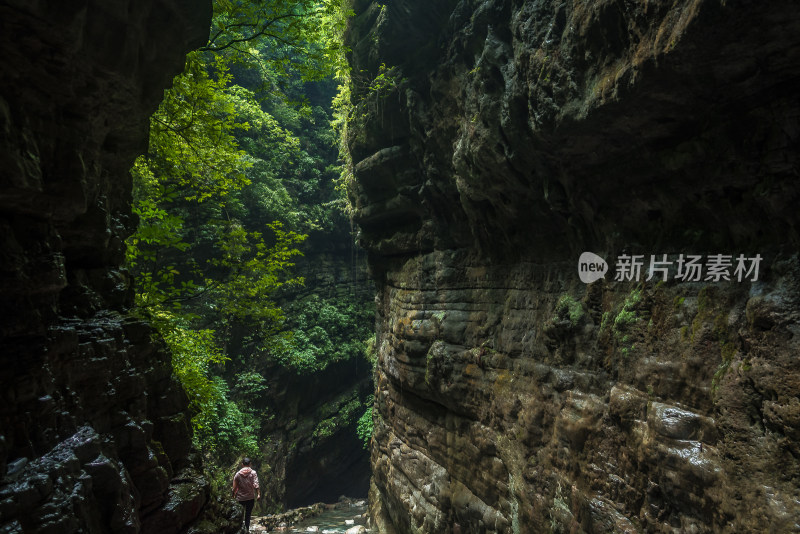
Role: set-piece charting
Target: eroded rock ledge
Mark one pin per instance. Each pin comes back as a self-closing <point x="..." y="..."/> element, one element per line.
<point x="501" y="140"/>
<point x="94" y="434"/>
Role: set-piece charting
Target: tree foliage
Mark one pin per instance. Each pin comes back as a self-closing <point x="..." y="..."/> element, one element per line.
<point x="326" y="331"/>
<point x="239" y="170"/>
<point x="300" y="36"/>
<point x="192" y="134"/>
<point x="364" y="426"/>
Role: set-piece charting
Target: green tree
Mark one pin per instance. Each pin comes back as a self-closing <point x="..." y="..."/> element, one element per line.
<point x="295" y="36"/>
<point x="237" y="173"/>
<point x="326" y="331"/>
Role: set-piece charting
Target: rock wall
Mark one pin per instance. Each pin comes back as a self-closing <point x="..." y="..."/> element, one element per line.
<point x="307" y="465"/>
<point x="94" y="434"/>
<point x="493" y="142"/>
<point x="321" y="466"/>
<point x="309" y="418"/>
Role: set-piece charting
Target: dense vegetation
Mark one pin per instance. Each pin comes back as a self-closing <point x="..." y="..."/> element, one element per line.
<point x="240" y="170"/>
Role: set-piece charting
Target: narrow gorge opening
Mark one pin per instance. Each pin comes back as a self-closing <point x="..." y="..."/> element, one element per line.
<point x="243" y="259"/>
<point x="180" y="274"/>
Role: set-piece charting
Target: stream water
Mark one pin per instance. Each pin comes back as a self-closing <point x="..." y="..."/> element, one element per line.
<point x="332" y="521"/>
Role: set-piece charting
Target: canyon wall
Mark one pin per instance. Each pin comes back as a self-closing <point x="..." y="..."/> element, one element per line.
<point x="314" y="446"/>
<point x="493" y="142"/>
<point x="311" y="445"/>
<point x="94" y="431"/>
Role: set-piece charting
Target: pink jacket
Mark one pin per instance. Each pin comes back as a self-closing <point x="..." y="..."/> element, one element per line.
<point x="246" y="483"/>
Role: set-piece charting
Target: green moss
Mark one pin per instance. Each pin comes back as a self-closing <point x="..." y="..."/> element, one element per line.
<point x="627" y="315"/>
<point x="341" y="417"/>
<point x="568" y="307"/>
<point x="727" y="350"/>
<point x="704" y="300"/>
<point x="436" y="351"/>
<point x="684" y="333"/>
<point x="633" y="299"/>
<point x="624" y="319"/>
<point x="605" y="321"/>
<point x="712" y="314"/>
<point x="721" y="327"/>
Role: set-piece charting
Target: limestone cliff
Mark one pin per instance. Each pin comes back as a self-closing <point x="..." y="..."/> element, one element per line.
<point x="94" y="434"/>
<point x="309" y="465"/>
<point x="320" y="466"/>
<point x="493" y="142"/>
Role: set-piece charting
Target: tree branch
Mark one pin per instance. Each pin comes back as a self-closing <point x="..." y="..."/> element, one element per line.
<point x="263" y="31"/>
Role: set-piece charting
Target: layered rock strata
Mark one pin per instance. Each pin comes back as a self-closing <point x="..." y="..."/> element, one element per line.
<point x="493" y="142"/>
<point x="94" y="432"/>
<point x="309" y="419"/>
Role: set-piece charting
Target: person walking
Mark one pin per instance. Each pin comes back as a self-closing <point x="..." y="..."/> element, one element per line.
<point x="246" y="490"/>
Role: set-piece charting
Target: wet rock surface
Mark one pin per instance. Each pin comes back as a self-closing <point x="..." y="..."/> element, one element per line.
<point x="345" y="516"/>
<point x="510" y="396"/>
<point x="288" y="519"/>
<point x="94" y="430"/>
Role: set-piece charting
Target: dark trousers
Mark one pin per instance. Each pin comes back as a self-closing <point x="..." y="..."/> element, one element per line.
<point x="248" y="509"/>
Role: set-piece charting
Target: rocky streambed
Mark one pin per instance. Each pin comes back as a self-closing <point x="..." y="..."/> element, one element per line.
<point x="347" y="516"/>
